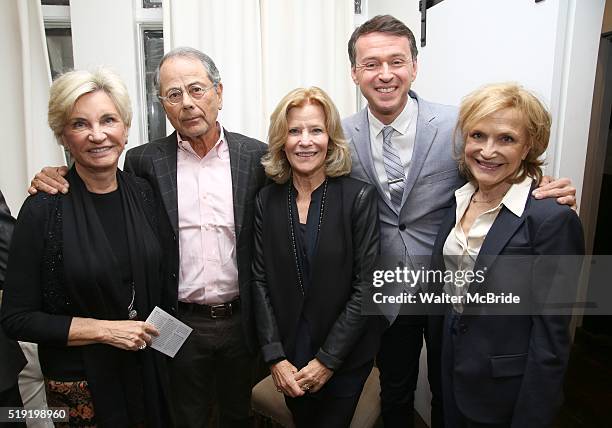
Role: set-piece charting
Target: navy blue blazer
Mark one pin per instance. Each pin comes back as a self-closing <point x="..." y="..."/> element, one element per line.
<point x="509" y="369"/>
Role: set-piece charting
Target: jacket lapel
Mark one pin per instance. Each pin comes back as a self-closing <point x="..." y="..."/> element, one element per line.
<point x="165" y="172"/>
<point x="503" y="228"/>
<point x="425" y="134"/>
<point x="445" y="228"/>
<point x="363" y="149"/>
<point x="240" y="165"/>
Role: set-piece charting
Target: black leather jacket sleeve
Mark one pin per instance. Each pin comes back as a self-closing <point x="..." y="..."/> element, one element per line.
<point x="267" y="329"/>
<point x="351" y="324"/>
<point x="7" y="223"/>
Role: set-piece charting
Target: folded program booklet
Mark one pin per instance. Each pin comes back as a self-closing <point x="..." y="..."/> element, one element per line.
<point x="172" y="332"/>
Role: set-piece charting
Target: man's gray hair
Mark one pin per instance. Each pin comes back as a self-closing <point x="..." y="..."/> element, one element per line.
<point x="207" y="62"/>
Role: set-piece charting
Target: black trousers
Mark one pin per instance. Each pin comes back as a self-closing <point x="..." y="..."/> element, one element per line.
<point x="11" y="398"/>
<point x="398" y="362"/>
<point x="214" y="366"/>
<point x="311" y="411"/>
<point x="327" y="409"/>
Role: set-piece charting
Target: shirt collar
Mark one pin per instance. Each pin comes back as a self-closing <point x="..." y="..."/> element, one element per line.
<point x="401" y="122"/>
<point x="218" y="148"/>
<point x="514" y="199"/>
<point x="517" y="196"/>
<point x="463" y="195"/>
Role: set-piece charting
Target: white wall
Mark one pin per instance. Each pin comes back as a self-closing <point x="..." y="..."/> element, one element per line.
<point x="478" y="41"/>
<point x="472" y="42"/>
<point x="575" y="91"/>
<point x="406" y="11"/>
<point x="608" y="162"/>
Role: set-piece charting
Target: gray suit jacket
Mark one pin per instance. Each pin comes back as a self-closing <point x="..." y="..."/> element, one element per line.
<point x="409" y="235"/>
<point x="156" y="162"/>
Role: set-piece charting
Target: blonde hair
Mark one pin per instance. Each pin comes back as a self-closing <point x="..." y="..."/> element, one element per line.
<point x="70" y="86"/>
<point x="338" y="157"/>
<point x="492" y="98"/>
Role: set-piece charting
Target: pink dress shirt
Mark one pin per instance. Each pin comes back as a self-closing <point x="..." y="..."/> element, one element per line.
<point x="207" y="237"/>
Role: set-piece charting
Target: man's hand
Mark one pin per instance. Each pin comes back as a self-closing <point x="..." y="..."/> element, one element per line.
<point x="283" y="374"/>
<point x="313" y="376"/>
<point x="561" y="189"/>
<point x="50" y="180"/>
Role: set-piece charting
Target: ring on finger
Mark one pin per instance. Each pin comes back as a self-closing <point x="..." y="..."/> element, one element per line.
<point x="144" y="345"/>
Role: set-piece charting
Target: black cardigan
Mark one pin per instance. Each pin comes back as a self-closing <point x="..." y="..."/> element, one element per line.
<point x="37" y="308"/>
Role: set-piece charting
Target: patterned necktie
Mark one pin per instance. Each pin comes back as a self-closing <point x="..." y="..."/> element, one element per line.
<point x="393" y="167"/>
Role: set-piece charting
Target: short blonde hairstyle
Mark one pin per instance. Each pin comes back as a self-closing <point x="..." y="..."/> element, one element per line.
<point x="495" y="97"/>
<point x="338" y="157"/>
<point x="70" y="86"/>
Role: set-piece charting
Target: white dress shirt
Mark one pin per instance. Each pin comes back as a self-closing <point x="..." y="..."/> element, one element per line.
<point x="403" y="138"/>
<point x="461" y="249"/>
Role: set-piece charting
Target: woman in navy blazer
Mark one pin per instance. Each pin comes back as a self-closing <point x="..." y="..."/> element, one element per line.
<point x="502" y="370"/>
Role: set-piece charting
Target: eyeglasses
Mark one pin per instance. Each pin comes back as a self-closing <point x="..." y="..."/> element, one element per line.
<point x="376" y="66"/>
<point x="196" y="92"/>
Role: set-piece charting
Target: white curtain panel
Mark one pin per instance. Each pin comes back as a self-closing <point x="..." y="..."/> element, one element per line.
<point x="265" y="48"/>
<point x="304" y="44"/>
<point x="229" y="32"/>
<point x="28" y="143"/>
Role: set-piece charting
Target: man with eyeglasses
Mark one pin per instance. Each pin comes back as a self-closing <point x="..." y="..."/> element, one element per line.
<point x="207" y="178"/>
<point x="402" y="144"/>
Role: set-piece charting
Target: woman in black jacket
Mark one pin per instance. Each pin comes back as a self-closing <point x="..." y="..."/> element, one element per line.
<point x="316" y="234"/>
<point x="86" y="268"/>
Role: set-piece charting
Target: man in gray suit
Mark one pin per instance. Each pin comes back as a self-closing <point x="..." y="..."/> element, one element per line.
<point x="207" y="178"/>
<point x="402" y="144"/>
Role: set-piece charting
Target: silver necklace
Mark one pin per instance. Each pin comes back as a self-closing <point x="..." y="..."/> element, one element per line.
<point x="132" y="313"/>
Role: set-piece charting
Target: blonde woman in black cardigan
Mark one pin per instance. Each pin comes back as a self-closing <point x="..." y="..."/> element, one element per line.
<point x="86" y="268"/>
